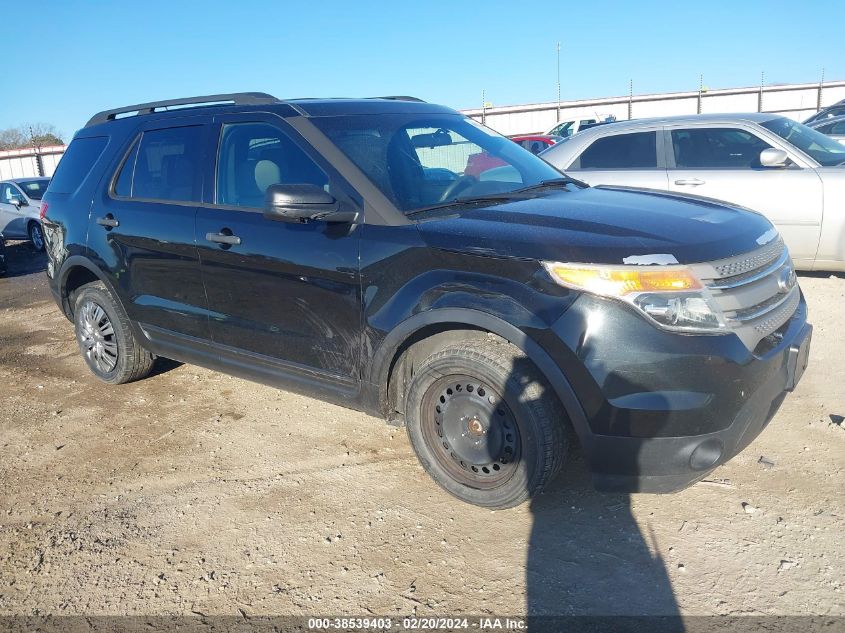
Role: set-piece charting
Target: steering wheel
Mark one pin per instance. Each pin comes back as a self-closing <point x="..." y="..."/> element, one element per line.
<point x="458" y="185"/>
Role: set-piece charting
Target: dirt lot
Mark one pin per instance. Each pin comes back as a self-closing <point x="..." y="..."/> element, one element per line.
<point x="193" y="492"/>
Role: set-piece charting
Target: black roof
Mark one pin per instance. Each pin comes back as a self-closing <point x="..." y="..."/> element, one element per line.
<point x="305" y="107"/>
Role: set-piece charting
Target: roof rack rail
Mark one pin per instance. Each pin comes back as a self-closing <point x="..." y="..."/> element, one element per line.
<point x="235" y="98"/>
<point x="401" y="98"/>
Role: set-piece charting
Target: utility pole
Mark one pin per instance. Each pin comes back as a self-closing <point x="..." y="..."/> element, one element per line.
<point x="39" y="163"/>
<point x="630" y="99"/>
<point x="760" y="96"/>
<point x="700" y="90"/>
<point x="558" y="82"/>
<point x="821" y="87"/>
<point x="483" y="108"/>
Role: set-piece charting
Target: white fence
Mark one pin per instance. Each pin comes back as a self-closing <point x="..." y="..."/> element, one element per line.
<point x="797" y="101"/>
<point x="21" y="163"/>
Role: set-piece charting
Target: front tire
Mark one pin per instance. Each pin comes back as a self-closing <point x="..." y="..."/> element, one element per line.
<point x="485" y="424"/>
<point x="105" y="337"/>
<point x="36" y="236"/>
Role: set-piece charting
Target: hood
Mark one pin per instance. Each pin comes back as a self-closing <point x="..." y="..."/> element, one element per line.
<point x="600" y="225"/>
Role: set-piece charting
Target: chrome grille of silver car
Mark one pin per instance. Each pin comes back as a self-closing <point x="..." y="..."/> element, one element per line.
<point x="757" y="292"/>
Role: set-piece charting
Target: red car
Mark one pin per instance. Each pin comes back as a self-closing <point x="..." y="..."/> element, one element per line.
<point x="536" y="143"/>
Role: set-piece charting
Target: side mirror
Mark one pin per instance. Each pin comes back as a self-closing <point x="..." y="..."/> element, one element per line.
<point x="302" y="203"/>
<point x="772" y="157"/>
<point x="17" y="201"/>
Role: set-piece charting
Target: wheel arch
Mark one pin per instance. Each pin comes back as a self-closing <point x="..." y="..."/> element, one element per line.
<point x="444" y="325"/>
<point x="76" y="271"/>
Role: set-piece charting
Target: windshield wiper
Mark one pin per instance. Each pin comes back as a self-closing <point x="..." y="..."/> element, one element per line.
<point x="554" y="182"/>
<point x="493" y="197"/>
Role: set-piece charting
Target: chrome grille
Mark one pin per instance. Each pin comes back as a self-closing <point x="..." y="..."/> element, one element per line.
<point x="757" y="292"/>
<point x="753" y="261"/>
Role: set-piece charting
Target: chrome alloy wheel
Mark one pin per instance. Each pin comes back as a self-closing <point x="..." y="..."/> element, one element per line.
<point x="97" y="338"/>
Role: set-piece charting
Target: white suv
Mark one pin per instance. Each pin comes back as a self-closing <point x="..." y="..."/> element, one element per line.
<point x="20" y="208"/>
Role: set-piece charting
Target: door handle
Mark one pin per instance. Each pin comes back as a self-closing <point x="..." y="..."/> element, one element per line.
<point x="223" y="238"/>
<point x="692" y="182"/>
<point x="108" y="221"/>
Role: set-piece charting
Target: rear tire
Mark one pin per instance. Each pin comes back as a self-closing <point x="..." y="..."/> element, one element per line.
<point x="485" y="424"/>
<point x="36" y="236"/>
<point x="105" y="337"/>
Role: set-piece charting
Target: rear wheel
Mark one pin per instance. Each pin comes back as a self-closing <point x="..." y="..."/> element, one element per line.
<point x="36" y="236"/>
<point x="485" y="424"/>
<point x="105" y="338"/>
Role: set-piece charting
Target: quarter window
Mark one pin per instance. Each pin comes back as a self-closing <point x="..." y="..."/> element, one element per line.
<point x="254" y="156"/>
<point x="164" y="166"/>
<point x="621" y="151"/>
<point x="717" y="148"/>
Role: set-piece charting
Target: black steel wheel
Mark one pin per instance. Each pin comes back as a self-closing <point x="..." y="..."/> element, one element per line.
<point x="484" y="423"/>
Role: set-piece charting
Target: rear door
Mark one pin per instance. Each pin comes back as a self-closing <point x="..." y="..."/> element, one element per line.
<point x="723" y="162"/>
<point x="627" y="159"/>
<point x="143" y="224"/>
<point x="283" y="295"/>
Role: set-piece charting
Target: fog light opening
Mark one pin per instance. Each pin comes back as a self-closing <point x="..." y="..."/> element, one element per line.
<point x="706" y="454"/>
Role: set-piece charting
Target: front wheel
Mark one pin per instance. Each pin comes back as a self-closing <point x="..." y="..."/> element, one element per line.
<point x="36" y="236"/>
<point x="484" y="423"/>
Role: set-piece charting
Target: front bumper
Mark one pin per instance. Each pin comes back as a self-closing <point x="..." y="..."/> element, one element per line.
<point x="663" y="409"/>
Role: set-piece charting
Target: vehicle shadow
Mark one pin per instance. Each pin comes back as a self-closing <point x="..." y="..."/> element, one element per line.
<point x="590" y="565"/>
<point x="22" y="260"/>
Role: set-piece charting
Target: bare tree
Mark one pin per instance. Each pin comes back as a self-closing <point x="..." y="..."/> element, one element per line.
<point x="30" y="135"/>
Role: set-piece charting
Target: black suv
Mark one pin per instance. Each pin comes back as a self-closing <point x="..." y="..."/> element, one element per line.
<point x="397" y="257"/>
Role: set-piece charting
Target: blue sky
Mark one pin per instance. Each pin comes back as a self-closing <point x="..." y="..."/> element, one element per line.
<point x="73" y="58"/>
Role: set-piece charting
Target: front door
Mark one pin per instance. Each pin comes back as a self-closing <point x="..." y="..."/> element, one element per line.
<point x="13" y="217"/>
<point x="724" y="163"/>
<point x="283" y="294"/>
<point x="143" y="225"/>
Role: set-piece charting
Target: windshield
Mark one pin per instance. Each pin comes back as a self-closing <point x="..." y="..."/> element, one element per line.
<point x="823" y="149"/>
<point x="418" y="161"/>
<point x="34" y="189"/>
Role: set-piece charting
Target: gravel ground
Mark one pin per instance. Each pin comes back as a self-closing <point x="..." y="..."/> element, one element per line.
<point x="194" y="492"/>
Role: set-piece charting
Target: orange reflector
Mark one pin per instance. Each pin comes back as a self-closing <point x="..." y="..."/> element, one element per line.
<point x="618" y="282"/>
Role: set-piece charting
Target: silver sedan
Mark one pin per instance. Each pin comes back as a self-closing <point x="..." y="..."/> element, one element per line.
<point x="790" y="173"/>
<point x="834" y="127"/>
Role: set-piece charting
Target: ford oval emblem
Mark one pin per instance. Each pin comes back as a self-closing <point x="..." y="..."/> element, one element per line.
<point x="786" y="279"/>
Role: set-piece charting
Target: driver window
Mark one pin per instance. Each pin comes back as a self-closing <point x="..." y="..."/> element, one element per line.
<point x="254" y="156"/>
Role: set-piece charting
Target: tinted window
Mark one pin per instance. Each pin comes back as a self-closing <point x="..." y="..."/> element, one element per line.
<point x="167" y="165"/>
<point x="123" y="184"/>
<point x="717" y="148"/>
<point x="8" y="193"/>
<point x="76" y="163"/>
<point x="832" y="128"/>
<point x="254" y="156"/>
<point x="622" y="151"/>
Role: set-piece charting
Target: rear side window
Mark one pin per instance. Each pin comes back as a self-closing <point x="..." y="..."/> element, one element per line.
<point x="622" y="151"/>
<point x="76" y="163"/>
<point x="163" y="165"/>
<point x="717" y="148"/>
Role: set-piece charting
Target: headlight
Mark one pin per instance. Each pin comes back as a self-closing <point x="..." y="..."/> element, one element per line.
<point x="670" y="296"/>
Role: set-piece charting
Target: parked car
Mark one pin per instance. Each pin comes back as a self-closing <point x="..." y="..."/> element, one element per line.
<point x="837" y="109"/>
<point x="536" y="143"/>
<point x="3" y="266"/>
<point x="20" y="206"/>
<point x="571" y="127"/>
<point x="300" y="243"/>
<point x="782" y="169"/>
<point x="834" y="128"/>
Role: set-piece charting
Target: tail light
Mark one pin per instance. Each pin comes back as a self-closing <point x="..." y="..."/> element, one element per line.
<point x="43" y="211"/>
